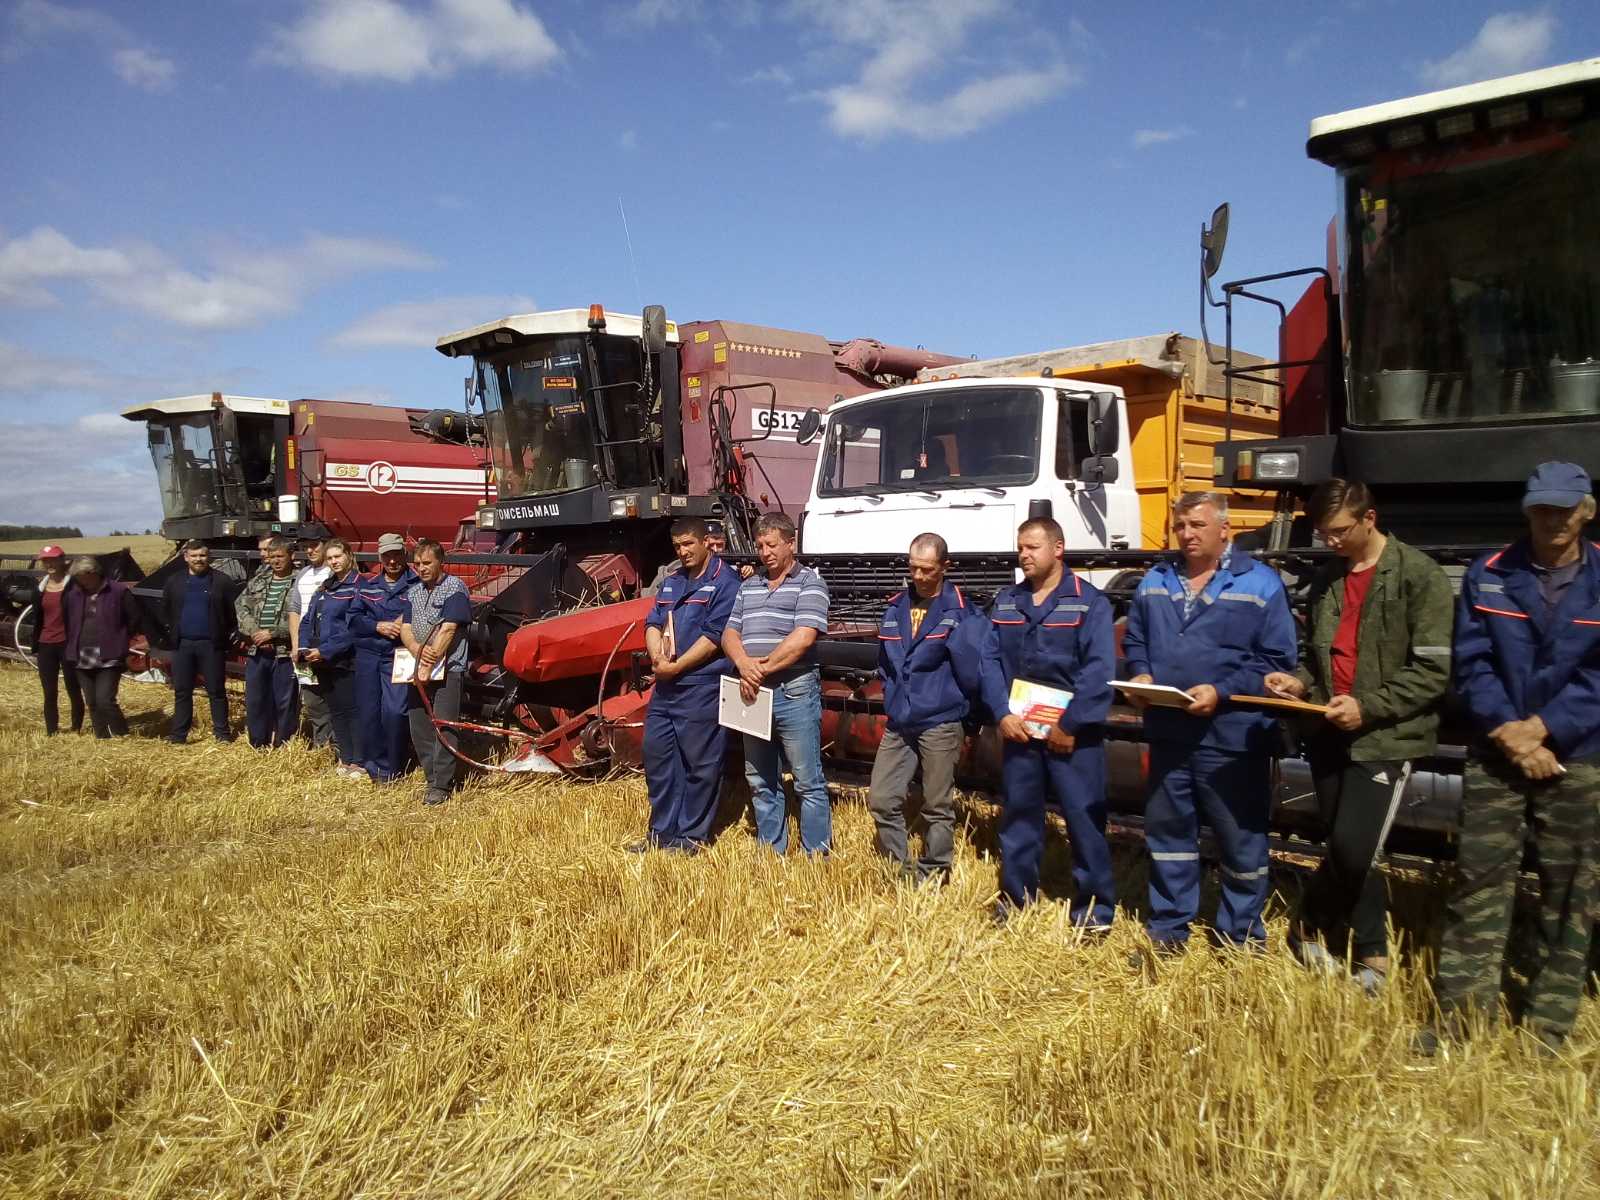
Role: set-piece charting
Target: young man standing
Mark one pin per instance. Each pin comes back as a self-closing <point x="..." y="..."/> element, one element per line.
<point x="928" y="646"/>
<point x="1213" y="622"/>
<point x="271" y="692"/>
<point x="1055" y="630"/>
<point x="1527" y="668"/>
<point x="1376" y="651"/>
<point x="683" y="743"/>
<point x="771" y="641"/>
<point x="433" y="626"/>
<point x="306" y="582"/>
<point x="199" y="608"/>
<point x="381" y="704"/>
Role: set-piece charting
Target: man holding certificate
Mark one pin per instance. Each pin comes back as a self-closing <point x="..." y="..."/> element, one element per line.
<point x="1214" y="622"/>
<point x="928" y="647"/>
<point x="1049" y="652"/>
<point x="771" y="643"/>
<point x="683" y="743"/>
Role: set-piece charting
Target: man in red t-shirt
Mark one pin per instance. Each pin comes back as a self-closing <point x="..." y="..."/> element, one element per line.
<point x="1377" y="653"/>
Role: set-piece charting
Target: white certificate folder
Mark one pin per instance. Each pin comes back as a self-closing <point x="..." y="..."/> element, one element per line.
<point x="733" y="713"/>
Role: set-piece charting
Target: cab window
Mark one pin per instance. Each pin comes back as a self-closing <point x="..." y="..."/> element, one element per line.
<point x="1072" y="435"/>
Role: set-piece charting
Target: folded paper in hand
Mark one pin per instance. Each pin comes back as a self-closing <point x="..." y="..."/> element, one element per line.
<point x="1163" y="695"/>
<point x="405" y="668"/>
<point x="1039" y="706"/>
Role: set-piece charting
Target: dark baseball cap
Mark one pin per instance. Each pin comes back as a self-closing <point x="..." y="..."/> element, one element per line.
<point x="1557" y="484"/>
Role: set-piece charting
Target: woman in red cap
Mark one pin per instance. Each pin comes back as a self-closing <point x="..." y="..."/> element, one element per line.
<point x="48" y="640"/>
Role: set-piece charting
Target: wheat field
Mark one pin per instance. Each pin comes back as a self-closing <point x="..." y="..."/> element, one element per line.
<point x="148" y="550"/>
<point x="228" y="973"/>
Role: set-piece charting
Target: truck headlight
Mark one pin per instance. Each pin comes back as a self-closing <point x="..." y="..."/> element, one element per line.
<point x="1278" y="464"/>
<point x="485" y="518"/>
<point x="624" y="506"/>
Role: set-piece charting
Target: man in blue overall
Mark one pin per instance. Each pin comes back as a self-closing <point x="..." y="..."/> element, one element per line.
<point x="1055" y="630"/>
<point x="683" y="743"/>
<point x="1527" y="670"/>
<point x="381" y="704"/>
<point x="928" y="647"/>
<point x="1213" y="622"/>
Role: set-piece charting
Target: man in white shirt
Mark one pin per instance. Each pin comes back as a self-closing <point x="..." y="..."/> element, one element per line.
<point x="312" y="702"/>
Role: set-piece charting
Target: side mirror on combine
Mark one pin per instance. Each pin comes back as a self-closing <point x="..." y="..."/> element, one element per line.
<point x="654" y="333"/>
<point x="1103" y="426"/>
<point x="810" y="425"/>
<point x="1213" y="240"/>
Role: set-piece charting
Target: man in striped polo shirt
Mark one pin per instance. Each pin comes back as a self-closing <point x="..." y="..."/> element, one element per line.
<point x="771" y="641"/>
<point x="271" y="691"/>
<point x="433" y="626"/>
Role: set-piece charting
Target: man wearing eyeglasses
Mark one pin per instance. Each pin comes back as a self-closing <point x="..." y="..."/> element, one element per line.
<point x="1376" y="651"/>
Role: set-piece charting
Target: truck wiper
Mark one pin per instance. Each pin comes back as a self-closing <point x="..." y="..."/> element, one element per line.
<point x="914" y="487"/>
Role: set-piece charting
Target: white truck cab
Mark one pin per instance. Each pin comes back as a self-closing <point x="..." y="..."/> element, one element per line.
<point x="971" y="459"/>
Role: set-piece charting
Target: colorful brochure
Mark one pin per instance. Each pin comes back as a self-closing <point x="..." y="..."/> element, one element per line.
<point x="1038" y="705"/>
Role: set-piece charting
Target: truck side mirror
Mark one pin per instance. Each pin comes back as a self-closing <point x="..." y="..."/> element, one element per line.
<point x="810" y="425"/>
<point x="1100" y="469"/>
<point x="1213" y="240"/>
<point x="1104" y="428"/>
<point x="470" y="392"/>
<point x="654" y="329"/>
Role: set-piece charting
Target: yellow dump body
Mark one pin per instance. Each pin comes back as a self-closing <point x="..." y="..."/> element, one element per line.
<point x="1173" y="430"/>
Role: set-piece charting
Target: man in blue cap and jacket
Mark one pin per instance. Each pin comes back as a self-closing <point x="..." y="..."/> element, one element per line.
<point x="928" y="650"/>
<point x="1527" y="669"/>
<point x="1214" y="623"/>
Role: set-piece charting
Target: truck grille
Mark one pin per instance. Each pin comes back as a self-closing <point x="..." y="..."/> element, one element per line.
<point x="860" y="584"/>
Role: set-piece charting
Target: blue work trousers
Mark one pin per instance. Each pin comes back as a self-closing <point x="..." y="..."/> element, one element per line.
<point x="381" y="708"/>
<point x="271" y="700"/>
<point x="1232" y="793"/>
<point x="797" y="730"/>
<point x="683" y="751"/>
<point x="1032" y="775"/>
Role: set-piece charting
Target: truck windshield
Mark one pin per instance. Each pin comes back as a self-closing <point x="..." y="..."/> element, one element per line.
<point x="556" y="423"/>
<point x="1472" y="279"/>
<point x="956" y="438"/>
<point x="184" y="451"/>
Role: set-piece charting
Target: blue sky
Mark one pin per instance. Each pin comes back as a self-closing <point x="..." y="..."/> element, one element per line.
<point x="295" y="198"/>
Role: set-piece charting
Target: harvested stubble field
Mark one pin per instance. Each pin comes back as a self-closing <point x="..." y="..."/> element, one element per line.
<point x="148" y="550"/>
<point x="230" y="974"/>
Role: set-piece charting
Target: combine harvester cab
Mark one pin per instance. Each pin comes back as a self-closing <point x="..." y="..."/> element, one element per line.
<point x="601" y="430"/>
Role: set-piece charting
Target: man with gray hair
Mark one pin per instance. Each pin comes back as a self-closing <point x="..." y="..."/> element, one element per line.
<point x="1213" y="622"/>
<point x="928" y="662"/>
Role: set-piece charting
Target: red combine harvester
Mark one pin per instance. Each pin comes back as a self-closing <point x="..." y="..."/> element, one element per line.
<point x="585" y="435"/>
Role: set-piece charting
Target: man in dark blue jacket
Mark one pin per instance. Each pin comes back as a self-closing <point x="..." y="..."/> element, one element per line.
<point x="928" y="647"/>
<point x="382" y="706"/>
<point x="1213" y="622"/>
<point x="683" y="743"/>
<point x="1527" y="668"/>
<point x="1053" y="630"/>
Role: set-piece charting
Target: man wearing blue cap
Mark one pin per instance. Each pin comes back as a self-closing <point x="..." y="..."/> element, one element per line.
<point x="1527" y="668"/>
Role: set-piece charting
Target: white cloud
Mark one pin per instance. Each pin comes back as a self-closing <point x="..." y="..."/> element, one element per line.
<point x="389" y="40"/>
<point x="913" y="47"/>
<point x="1143" y="139"/>
<point x="629" y="140"/>
<point x="1508" y="42"/>
<point x="110" y="482"/>
<point x="423" y="322"/>
<point x="144" y="68"/>
<point x="774" y="74"/>
<point x="135" y="62"/>
<point x="239" y="288"/>
<point x="28" y="372"/>
<point x="45" y="254"/>
<point x="648" y="14"/>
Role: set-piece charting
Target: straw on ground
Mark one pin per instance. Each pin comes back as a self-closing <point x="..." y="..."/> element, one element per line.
<point x="231" y="974"/>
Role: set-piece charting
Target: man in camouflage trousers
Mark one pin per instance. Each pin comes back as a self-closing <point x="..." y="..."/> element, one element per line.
<point x="1527" y="666"/>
